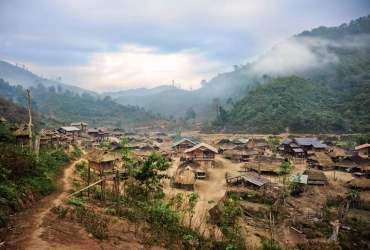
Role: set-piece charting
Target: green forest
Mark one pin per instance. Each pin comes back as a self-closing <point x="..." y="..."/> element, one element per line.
<point x="299" y="104"/>
<point x="68" y="106"/>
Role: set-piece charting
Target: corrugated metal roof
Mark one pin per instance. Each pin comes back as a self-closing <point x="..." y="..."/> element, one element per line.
<point x="255" y="178"/>
<point x="306" y="141"/>
<point x="181" y="141"/>
<point x="79" y="123"/>
<point x="70" y="129"/>
<point x="286" y="141"/>
<point x="202" y="145"/>
<point x="362" y="146"/>
<point x="319" y="145"/>
<point x="298" y="150"/>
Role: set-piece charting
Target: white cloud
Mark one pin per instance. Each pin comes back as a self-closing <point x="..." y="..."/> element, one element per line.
<point x="294" y="55"/>
<point x="134" y="67"/>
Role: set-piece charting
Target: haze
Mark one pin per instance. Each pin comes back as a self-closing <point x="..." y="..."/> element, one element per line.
<point x="116" y="45"/>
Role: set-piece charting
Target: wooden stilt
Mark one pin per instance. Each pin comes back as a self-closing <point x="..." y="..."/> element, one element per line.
<point x="117" y="190"/>
<point x="88" y="181"/>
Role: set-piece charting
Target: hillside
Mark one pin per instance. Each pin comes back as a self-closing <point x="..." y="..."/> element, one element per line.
<point x="19" y="75"/>
<point x="139" y="91"/>
<point x="299" y="104"/>
<point x="69" y="107"/>
<point x="336" y="57"/>
<point x="15" y="113"/>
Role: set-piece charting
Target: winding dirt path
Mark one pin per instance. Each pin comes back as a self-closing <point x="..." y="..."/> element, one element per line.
<point x="28" y="226"/>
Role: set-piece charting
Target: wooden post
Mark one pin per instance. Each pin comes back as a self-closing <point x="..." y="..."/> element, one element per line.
<point x="117" y="190"/>
<point x="30" y="119"/>
<point x="101" y="188"/>
<point x="88" y="181"/>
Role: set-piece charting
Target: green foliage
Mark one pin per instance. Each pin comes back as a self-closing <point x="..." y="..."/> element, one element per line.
<point x="76" y="202"/>
<point x="77" y="152"/>
<point x="270" y="245"/>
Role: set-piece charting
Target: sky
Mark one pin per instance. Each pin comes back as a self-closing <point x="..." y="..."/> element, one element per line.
<point x="114" y="45"/>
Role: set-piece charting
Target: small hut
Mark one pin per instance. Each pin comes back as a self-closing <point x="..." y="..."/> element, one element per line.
<point x="360" y="183"/>
<point x="101" y="160"/>
<point x="264" y="164"/>
<point x="22" y="135"/>
<point x="185" y="180"/>
<point x="315" y="177"/>
<point x="323" y="162"/>
<point x="190" y="164"/>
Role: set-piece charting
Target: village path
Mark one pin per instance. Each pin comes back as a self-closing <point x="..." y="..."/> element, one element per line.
<point x="29" y="225"/>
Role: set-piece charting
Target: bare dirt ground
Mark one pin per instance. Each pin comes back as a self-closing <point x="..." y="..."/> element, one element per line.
<point x="38" y="228"/>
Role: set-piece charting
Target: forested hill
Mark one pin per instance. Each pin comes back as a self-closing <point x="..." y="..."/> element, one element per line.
<point x="336" y="57"/>
<point x="300" y="105"/>
<point x="20" y="75"/>
<point x="72" y="107"/>
<point x="17" y="114"/>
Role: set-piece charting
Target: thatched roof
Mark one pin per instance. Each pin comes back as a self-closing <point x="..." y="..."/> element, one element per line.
<point x="190" y="165"/>
<point x="324" y="160"/>
<point x="22" y="130"/>
<point x="336" y="152"/>
<point x="185" y="177"/>
<point x="216" y="212"/>
<point x="353" y="161"/>
<point x="258" y="143"/>
<point x="315" y="175"/>
<point x="265" y="164"/>
<point x="360" y="183"/>
<point x="99" y="156"/>
<point x="239" y="151"/>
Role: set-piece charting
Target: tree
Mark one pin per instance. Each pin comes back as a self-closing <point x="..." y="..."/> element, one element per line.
<point x="190" y="114"/>
<point x="118" y="124"/>
<point x="286" y="167"/>
<point x="52" y="89"/>
<point x="216" y="106"/>
<point x="149" y="175"/>
<point x="60" y="89"/>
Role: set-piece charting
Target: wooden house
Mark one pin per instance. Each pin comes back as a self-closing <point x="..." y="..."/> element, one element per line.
<point x="183" y="144"/>
<point x="80" y="125"/>
<point x="202" y="153"/>
<point x="315" y="177"/>
<point x="100" y="133"/>
<point x="363" y="150"/>
<point x="22" y="135"/>
<point x="301" y="147"/>
<point x="68" y="131"/>
<point x="335" y="153"/>
<point x="101" y="160"/>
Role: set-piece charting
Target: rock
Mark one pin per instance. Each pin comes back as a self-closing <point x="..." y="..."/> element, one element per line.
<point x="90" y="235"/>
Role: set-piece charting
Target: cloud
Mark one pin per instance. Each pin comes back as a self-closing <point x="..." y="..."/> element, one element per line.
<point x="294" y="55"/>
<point x="134" y="66"/>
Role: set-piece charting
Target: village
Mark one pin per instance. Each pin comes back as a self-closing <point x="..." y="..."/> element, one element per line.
<point x="293" y="190"/>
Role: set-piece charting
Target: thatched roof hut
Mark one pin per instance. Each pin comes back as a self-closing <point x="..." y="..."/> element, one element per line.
<point x="315" y="177"/>
<point x="323" y="161"/>
<point x="101" y="160"/>
<point x="258" y="143"/>
<point x="22" y="134"/>
<point x="265" y="164"/>
<point x="190" y="164"/>
<point x="240" y="153"/>
<point x="185" y="180"/>
<point x="360" y="183"/>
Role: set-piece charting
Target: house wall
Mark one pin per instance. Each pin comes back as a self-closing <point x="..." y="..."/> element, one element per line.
<point x="183" y="146"/>
<point x="364" y="152"/>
